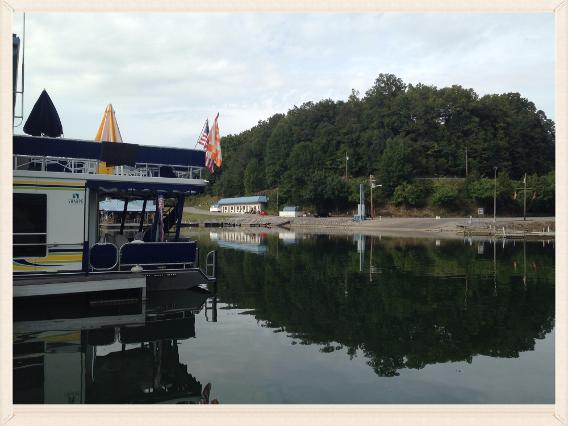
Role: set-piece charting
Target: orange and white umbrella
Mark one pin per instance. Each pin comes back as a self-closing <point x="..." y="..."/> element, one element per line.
<point x="108" y="132"/>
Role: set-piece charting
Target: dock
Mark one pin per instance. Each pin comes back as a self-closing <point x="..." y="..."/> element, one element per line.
<point x="246" y="220"/>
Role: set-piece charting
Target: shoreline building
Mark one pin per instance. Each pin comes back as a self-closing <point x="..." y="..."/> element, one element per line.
<point x="243" y="205"/>
<point x="290" y="211"/>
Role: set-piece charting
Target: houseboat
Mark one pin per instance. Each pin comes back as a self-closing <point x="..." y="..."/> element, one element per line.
<point x="57" y="231"/>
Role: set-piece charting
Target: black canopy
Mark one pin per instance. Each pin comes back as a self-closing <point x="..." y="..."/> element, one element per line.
<point x="43" y="120"/>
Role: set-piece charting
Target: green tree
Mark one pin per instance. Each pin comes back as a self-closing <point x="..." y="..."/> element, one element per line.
<point x="399" y="132"/>
<point x="394" y="165"/>
<point x="412" y="194"/>
<point x="446" y="194"/>
<point x="253" y="177"/>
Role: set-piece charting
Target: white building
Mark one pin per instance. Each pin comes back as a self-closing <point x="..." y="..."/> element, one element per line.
<point x="290" y="212"/>
<point x="243" y="204"/>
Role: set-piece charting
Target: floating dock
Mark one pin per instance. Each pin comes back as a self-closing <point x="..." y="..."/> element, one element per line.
<point x="250" y="221"/>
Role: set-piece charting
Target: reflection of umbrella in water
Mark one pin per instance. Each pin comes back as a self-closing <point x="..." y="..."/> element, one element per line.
<point x="43" y="120"/>
<point x="108" y="132"/>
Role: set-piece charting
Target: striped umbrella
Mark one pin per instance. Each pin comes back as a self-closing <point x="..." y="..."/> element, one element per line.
<point x="108" y="132"/>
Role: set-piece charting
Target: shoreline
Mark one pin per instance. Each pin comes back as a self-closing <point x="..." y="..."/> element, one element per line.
<point x="456" y="227"/>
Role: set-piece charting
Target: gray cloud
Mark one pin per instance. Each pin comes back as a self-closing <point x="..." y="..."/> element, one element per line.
<point x="165" y="73"/>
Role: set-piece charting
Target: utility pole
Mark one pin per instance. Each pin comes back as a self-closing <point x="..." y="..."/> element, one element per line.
<point x="372" y="185"/>
<point x="346" y="158"/>
<point x="466" y="161"/>
<point x="277" y="201"/>
<point x="525" y="196"/>
<point x="495" y="195"/>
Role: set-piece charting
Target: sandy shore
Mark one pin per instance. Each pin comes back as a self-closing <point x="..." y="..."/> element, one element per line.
<point x="418" y="227"/>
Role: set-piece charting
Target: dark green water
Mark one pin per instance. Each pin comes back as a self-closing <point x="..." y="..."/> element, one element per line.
<point x="316" y="319"/>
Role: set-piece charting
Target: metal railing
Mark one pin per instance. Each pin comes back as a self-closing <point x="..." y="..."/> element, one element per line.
<point x="90" y="166"/>
<point x="211" y="265"/>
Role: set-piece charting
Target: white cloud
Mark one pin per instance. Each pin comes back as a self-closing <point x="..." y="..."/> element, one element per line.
<point x="165" y="73"/>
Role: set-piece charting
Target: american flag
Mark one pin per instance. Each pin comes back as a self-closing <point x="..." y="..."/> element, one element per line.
<point x="204" y="141"/>
<point x="204" y="134"/>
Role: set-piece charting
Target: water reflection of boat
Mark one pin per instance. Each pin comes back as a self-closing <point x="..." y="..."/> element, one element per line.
<point x="115" y="358"/>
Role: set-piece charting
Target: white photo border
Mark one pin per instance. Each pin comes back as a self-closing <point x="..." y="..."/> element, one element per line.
<point x="253" y="415"/>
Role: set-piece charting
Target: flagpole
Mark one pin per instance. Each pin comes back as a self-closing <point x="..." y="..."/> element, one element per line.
<point x="200" y="133"/>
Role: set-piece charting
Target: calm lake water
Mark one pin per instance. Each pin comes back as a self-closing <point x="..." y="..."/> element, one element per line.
<point x="311" y="319"/>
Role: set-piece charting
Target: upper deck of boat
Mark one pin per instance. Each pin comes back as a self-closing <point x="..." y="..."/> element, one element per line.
<point x="81" y="160"/>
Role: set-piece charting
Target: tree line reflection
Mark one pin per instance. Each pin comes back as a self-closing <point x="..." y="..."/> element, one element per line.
<point x="402" y="303"/>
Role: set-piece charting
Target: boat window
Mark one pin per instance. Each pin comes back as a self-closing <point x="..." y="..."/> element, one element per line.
<point x="30" y="225"/>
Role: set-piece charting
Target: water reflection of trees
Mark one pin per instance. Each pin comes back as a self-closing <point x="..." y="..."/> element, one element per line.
<point x="426" y="304"/>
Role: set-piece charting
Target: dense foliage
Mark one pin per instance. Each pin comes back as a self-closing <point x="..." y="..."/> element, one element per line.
<point x="399" y="133"/>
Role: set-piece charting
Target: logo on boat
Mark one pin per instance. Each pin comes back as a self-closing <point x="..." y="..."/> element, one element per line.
<point x="75" y="199"/>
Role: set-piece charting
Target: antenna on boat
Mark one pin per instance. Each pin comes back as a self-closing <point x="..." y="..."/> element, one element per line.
<point x="21" y="116"/>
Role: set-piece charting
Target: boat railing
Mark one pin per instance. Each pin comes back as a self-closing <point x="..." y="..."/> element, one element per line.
<point x="45" y="163"/>
<point x="211" y="265"/>
<point x="148" y="255"/>
<point x="90" y="166"/>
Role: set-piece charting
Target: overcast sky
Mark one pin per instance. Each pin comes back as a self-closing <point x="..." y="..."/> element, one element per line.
<point x="166" y="73"/>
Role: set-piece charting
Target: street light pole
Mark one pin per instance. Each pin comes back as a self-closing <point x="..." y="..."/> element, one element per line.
<point x="372" y="216"/>
<point x="466" y="161"/>
<point x="525" y="189"/>
<point x="495" y="195"/>
<point x="372" y="185"/>
<point x="525" y="198"/>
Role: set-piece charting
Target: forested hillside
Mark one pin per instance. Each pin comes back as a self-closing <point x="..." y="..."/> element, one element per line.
<point x="401" y="134"/>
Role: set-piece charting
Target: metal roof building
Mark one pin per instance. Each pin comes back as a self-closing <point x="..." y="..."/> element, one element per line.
<point x="243" y="200"/>
<point x="252" y="204"/>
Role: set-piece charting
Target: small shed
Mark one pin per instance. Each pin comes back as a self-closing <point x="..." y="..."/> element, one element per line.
<point x="290" y="211"/>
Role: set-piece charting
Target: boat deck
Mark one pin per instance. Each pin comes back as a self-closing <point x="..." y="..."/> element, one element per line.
<point x="83" y="283"/>
<point x="77" y="283"/>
